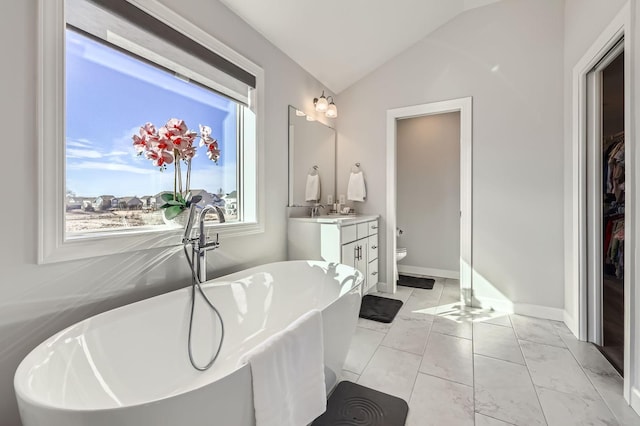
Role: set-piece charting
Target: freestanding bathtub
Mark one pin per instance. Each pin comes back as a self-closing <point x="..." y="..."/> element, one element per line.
<point x="129" y="366"/>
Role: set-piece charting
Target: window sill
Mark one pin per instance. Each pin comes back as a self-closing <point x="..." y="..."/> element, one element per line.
<point x="104" y="244"/>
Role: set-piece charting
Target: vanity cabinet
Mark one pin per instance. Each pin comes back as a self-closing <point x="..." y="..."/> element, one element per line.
<point x="351" y="241"/>
<point x="359" y="248"/>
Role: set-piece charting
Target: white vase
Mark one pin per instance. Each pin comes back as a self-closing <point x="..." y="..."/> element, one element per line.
<point x="179" y="221"/>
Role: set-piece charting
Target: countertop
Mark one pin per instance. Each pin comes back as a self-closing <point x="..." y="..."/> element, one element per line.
<point x="341" y="220"/>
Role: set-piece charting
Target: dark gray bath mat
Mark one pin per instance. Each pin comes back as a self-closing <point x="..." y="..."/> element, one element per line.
<point x="354" y="405"/>
<point x="379" y="309"/>
<point x="416" y="282"/>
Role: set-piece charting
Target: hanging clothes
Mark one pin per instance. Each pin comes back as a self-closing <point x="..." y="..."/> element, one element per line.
<point x="613" y="167"/>
<point x="613" y="174"/>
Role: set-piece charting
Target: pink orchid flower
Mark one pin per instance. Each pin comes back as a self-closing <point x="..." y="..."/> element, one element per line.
<point x="159" y="158"/>
<point x="213" y="153"/>
<point x="177" y="126"/>
<point x="205" y="132"/>
<point x="174" y="142"/>
<point x="139" y="144"/>
<point x="188" y="153"/>
<point x="147" y="129"/>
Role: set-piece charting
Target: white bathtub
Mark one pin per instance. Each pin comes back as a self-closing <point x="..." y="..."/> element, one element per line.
<point x="129" y="366"/>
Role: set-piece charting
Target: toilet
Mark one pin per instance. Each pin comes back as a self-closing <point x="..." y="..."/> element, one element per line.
<point x="401" y="253"/>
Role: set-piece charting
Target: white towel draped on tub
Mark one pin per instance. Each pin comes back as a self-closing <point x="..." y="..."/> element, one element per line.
<point x="312" y="191"/>
<point x="287" y="372"/>
<point x="356" y="190"/>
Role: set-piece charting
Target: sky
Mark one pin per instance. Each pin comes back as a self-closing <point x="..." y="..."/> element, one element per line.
<point x="109" y="95"/>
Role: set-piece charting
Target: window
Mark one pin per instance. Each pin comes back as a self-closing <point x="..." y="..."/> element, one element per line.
<point x="123" y="68"/>
<point x="109" y="95"/>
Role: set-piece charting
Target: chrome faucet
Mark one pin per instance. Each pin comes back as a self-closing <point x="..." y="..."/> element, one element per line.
<point x="200" y="245"/>
<point x="315" y="210"/>
<point x="202" y="242"/>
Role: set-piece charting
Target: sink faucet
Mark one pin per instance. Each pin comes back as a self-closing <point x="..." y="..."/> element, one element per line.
<point x="315" y="210"/>
<point x="200" y="245"/>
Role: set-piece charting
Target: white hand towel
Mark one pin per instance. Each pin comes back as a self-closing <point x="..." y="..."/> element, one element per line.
<point x="287" y="373"/>
<point x="356" y="190"/>
<point x="312" y="191"/>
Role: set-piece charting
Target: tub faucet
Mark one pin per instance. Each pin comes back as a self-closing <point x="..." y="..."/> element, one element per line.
<point x="202" y="243"/>
<point x="199" y="244"/>
<point x="198" y="265"/>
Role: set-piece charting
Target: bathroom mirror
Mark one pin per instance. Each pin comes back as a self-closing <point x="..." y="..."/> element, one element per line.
<point x="311" y="144"/>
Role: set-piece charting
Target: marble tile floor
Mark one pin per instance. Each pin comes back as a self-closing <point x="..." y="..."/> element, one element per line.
<point x="468" y="366"/>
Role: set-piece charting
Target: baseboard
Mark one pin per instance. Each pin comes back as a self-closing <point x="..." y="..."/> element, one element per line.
<point x="430" y="272"/>
<point x="572" y="324"/>
<point x="495" y="304"/>
<point x="537" y="311"/>
<point x="635" y="400"/>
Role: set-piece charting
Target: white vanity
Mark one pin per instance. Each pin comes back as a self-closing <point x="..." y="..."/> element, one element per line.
<point x="352" y="240"/>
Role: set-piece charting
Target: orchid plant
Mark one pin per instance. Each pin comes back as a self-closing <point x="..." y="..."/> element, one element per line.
<point x="173" y="143"/>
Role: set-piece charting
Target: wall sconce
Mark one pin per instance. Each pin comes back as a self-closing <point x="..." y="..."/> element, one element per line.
<point x="323" y="104"/>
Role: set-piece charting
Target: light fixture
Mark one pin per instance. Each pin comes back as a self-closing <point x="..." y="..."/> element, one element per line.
<point x="321" y="103"/>
<point x="332" y="110"/>
<point x="326" y="105"/>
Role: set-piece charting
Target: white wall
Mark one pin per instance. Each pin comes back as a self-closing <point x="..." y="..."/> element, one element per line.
<point x="508" y="56"/>
<point x="37" y="301"/>
<point x="428" y="185"/>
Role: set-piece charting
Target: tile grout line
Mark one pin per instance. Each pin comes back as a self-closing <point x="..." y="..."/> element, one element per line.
<point x="495" y="418"/>
<point x="540" y="343"/>
<point x="374" y="351"/>
<point x="413" y="387"/>
<point x="425" y="350"/>
<point x="352" y="372"/>
<point x="555" y="331"/>
<point x="452" y="335"/>
<point x="490" y="323"/>
<point x="447" y="380"/>
<point x="405" y="351"/>
<point x="526" y="365"/>
<point x="378" y="347"/>
<point x="582" y="368"/>
<point x="499" y="359"/>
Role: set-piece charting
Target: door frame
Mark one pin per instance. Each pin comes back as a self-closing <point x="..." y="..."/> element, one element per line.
<point x="579" y="226"/>
<point x="594" y="195"/>
<point x="465" y="107"/>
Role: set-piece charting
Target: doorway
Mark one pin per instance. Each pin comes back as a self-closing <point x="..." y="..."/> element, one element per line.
<point x="428" y="195"/>
<point x="584" y="233"/>
<point x="464" y="107"/>
<point x="606" y="204"/>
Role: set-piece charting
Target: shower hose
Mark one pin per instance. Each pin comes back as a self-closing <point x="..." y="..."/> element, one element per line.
<point x="195" y="284"/>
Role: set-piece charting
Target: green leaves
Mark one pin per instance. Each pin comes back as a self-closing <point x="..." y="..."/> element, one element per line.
<point x="173" y="211"/>
<point x="173" y="207"/>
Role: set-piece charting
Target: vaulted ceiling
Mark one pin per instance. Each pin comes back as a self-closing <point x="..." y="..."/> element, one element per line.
<point x="341" y="41"/>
